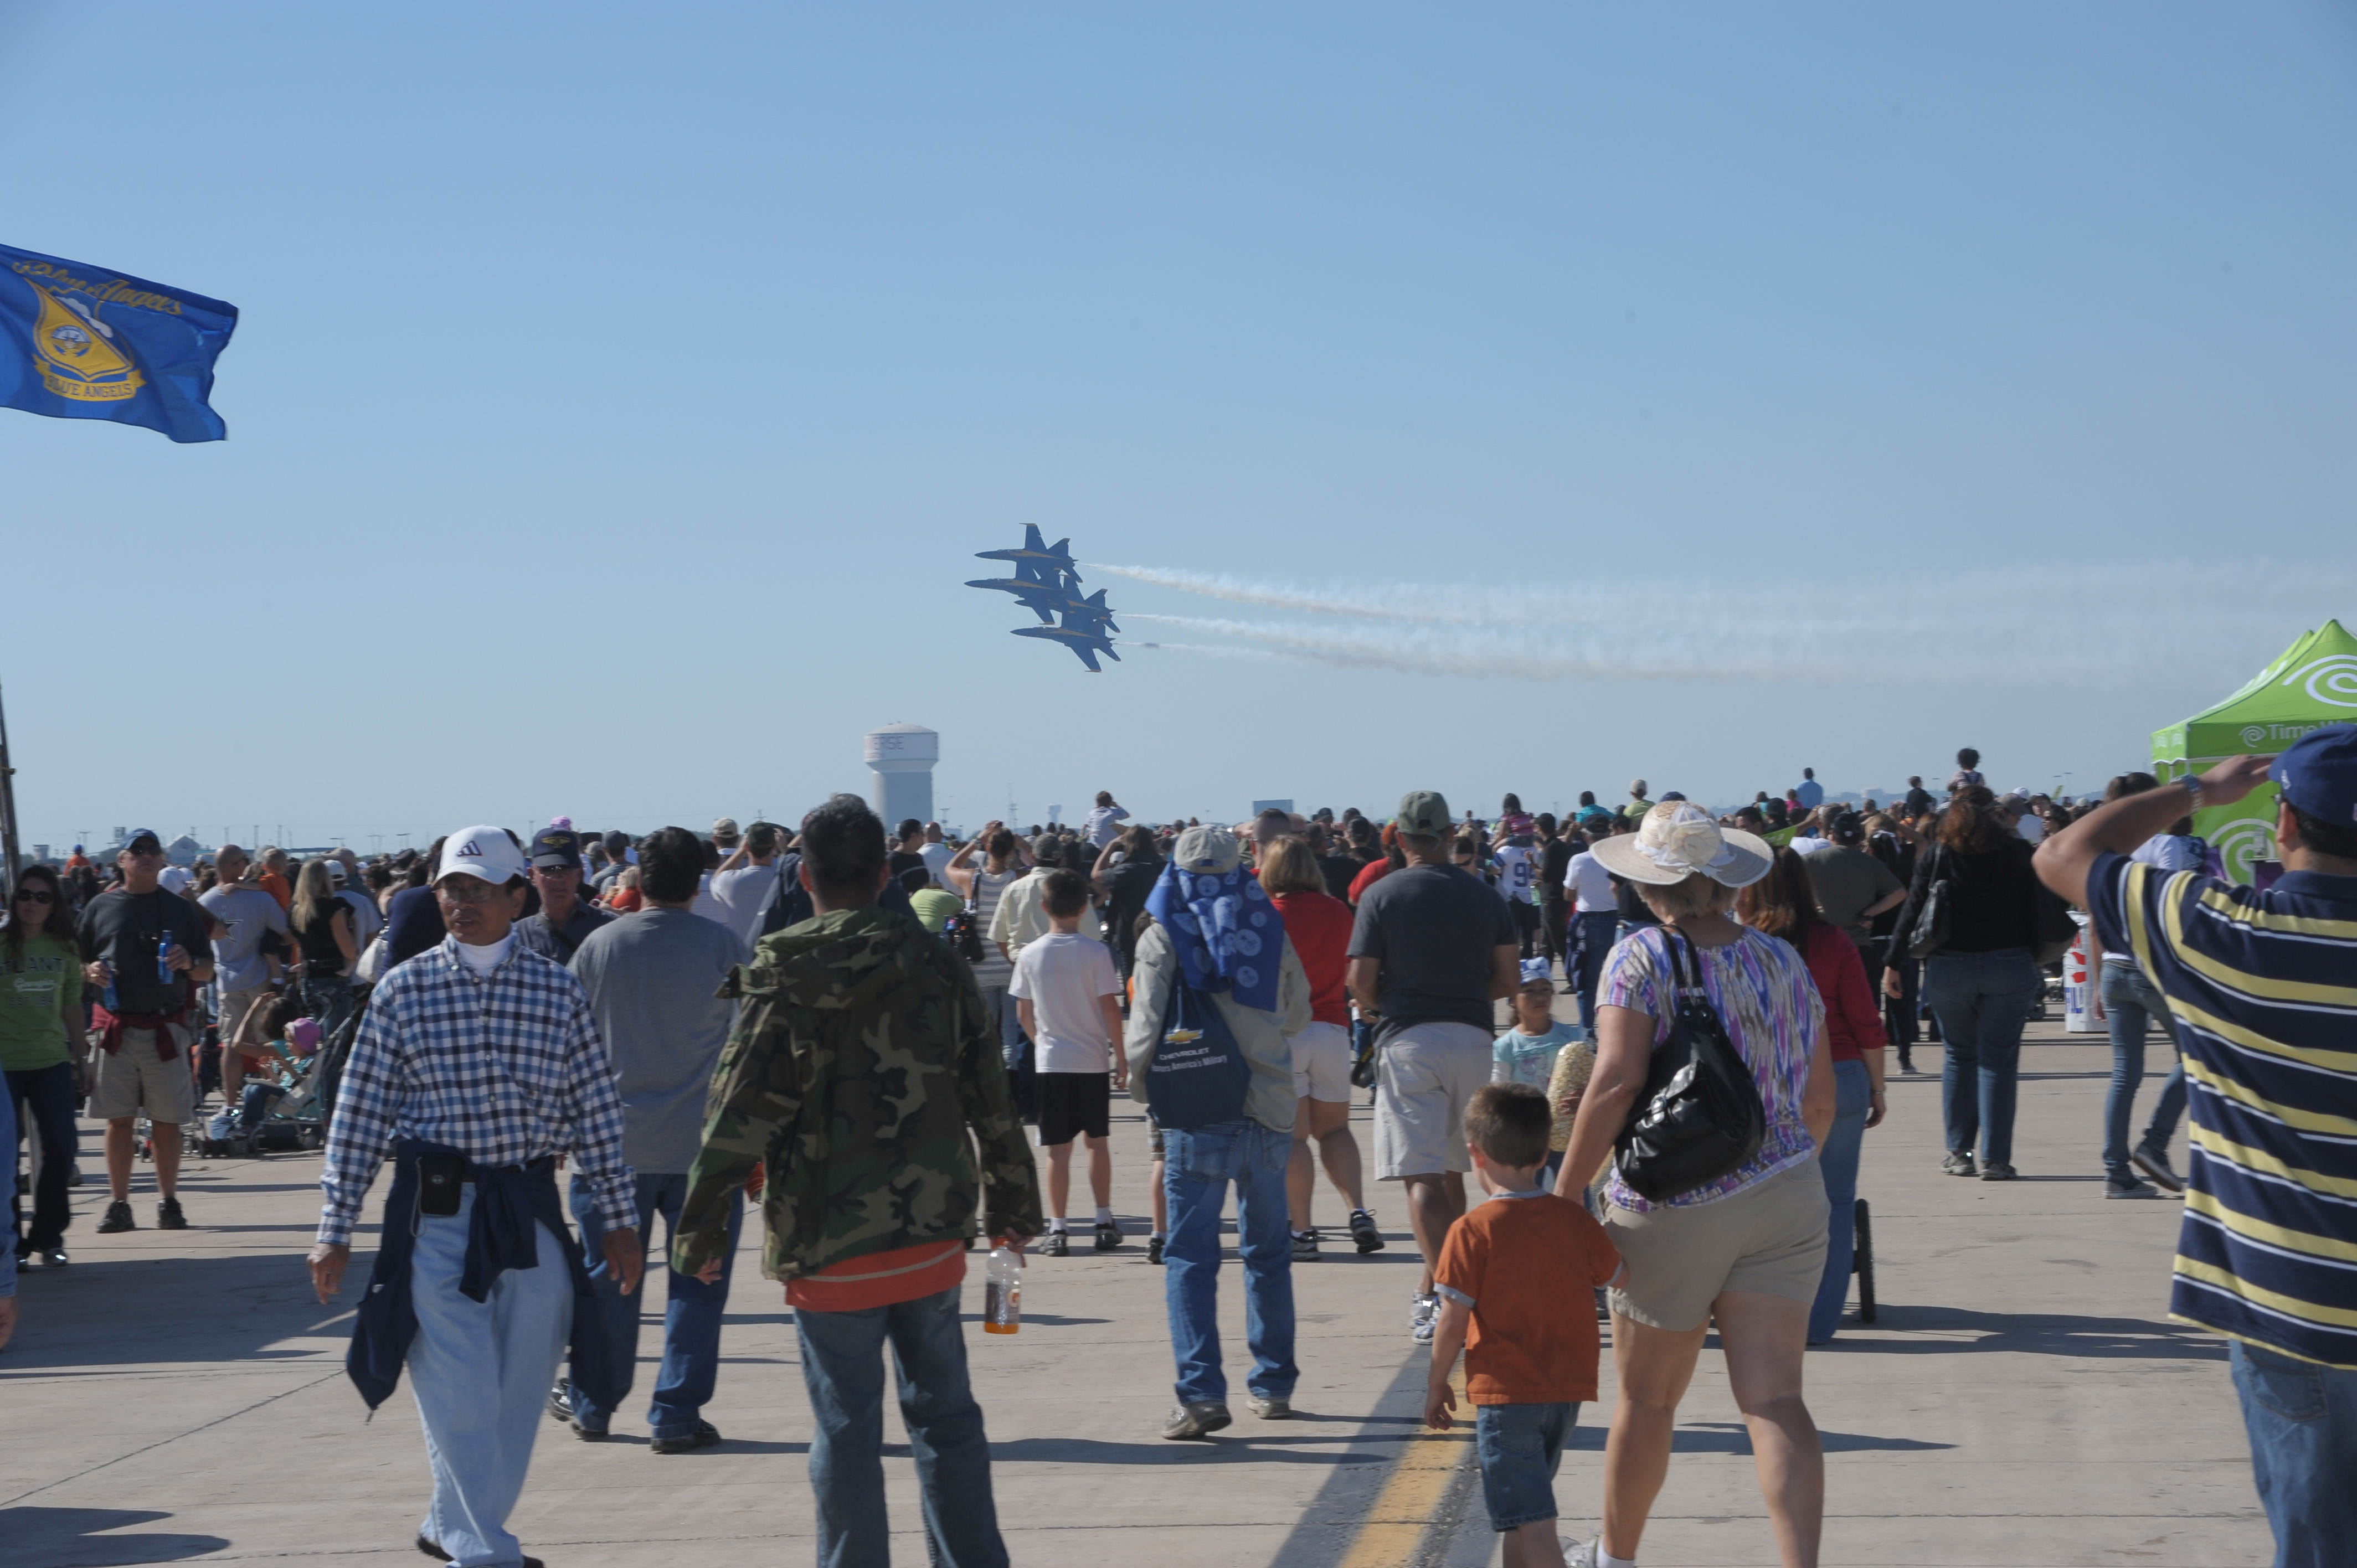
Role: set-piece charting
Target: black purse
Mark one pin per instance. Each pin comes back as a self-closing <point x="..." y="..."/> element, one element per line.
<point x="1929" y="934"/>
<point x="1700" y="1117"/>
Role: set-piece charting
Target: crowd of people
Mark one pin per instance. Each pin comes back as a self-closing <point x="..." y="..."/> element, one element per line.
<point x="877" y="1033"/>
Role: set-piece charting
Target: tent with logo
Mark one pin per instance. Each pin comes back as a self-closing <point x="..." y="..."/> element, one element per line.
<point x="2314" y="682"/>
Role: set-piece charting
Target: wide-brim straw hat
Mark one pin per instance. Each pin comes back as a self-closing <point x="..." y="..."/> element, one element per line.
<point x="1676" y="840"/>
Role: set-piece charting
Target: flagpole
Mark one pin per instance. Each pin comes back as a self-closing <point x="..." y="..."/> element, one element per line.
<point x="9" y="861"/>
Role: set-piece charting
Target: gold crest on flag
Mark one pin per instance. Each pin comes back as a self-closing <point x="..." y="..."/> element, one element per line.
<point x="78" y="361"/>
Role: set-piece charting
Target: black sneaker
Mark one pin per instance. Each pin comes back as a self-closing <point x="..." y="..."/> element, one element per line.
<point x="705" y="1435"/>
<point x="1108" y="1235"/>
<point x="2154" y="1163"/>
<point x="1305" y="1246"/>
<point x="1056" y="1244"/>
<point x="118" y="1218"/>
<point x="169" y="1216"/>
<point x="1153" y="1249"/>
<point x="1996" y="1170"/>
<point x="53" y="1257"/>
<point x="1363" y="1234"/>
<point x="2127" y="1187"/>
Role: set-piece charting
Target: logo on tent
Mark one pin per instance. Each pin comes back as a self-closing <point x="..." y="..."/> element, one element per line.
<point x="2241" y="845"/>
<point x="2333" y="679"/>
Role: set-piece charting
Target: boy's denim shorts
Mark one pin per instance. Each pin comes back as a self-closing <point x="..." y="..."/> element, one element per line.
<point x="1521" y="1447"/>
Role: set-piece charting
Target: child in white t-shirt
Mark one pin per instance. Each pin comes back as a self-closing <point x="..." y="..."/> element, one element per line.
<point x="1068" y="999"/>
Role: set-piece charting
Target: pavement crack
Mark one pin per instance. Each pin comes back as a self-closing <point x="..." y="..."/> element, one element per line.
<point x="167" y="1441"/>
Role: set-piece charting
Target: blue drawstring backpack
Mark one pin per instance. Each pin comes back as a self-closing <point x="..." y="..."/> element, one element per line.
<point x="1198" y="1076"/>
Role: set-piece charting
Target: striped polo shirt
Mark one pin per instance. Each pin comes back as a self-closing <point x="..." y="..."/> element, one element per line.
<point x="2264" y="989"/>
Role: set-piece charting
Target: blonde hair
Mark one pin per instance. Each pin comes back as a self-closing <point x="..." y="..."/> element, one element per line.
<point x="1287" y="866"/>
<point x="1690" y="898"/>
<point x="315" y="893"/>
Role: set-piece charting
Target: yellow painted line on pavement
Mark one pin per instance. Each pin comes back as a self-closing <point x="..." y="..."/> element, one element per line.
<point x="1403" y="1511"/>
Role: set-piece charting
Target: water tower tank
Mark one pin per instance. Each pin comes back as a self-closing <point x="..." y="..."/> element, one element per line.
<point x="902" y="759"/>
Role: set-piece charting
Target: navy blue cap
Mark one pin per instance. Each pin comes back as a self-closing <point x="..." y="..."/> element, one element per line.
<point x="556" y="849"/>
<point x="1671" y="795"/>
<point x="2317" y="773"/>
<point x="135" y="835"/>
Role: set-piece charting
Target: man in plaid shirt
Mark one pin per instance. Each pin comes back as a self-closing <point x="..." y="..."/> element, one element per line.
<point x="479" y="1065"/>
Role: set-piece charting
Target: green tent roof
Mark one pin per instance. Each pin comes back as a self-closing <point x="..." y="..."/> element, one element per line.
<point x="2313" y="682"/>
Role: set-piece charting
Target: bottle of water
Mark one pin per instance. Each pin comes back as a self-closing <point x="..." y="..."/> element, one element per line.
<point x="111" y="1005"/>
<point x="1002" y="1291"/>
<point x="164" y="959"/>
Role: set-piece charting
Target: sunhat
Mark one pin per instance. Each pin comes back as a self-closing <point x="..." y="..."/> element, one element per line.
<point x="1673" y="841"/>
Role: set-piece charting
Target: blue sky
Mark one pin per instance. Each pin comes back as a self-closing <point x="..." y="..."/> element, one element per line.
<point x="622" y="393"/>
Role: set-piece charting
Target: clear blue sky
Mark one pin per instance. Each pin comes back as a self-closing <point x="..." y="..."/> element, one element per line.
<point x="622" y="391"/>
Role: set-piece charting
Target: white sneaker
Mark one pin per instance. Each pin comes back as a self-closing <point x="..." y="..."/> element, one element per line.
<point x="1584" y="1553"/>
<point x="1426" y="1321"/>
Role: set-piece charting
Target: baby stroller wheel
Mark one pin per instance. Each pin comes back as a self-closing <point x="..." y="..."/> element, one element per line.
<point x="1862" y="1263"/>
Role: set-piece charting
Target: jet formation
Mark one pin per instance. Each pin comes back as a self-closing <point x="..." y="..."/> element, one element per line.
<point x="1045" y="583"/>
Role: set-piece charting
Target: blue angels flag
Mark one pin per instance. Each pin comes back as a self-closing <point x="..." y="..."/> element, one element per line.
<point x="80" y="342"/>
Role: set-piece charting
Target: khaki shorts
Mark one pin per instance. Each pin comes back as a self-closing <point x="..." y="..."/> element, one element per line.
<point x="1769" y="1238"/>
<point x="1321" y="1064"/>
<point x="235" y="1005"/>
<point x="133" y="1079"/>
<point x="1425" y="1075"/>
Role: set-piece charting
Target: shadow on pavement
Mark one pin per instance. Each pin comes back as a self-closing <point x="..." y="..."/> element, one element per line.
<point x="1734" y="1437"/>
<point x="1231" y="1446"/>
<point x="137" y="1311"/>
<point x="70" y="1537"/>
<point x="2031" y="1334"/>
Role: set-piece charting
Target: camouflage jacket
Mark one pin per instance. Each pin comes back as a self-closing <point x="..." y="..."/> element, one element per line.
<point x="861" y="1075"/>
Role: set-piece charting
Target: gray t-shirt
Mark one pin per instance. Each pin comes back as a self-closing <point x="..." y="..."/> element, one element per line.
<point x="1435" y="930"/>
<point x="651" y="977"/>
<point x="245" y="914"/>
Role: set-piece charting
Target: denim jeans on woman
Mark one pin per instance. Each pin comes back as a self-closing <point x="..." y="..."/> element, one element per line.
<point x="843" y="1369"/>
<point x="1982" y="1001"/>
<point x="1199" y="1166"/>
<point x="1598" y="931"/>
<point x="329" y="998"/>
<point x="2302" y="1421"/>
<point x="43" y="1099"/>
<point x="2129" y="1000"/>
<point x="1837" y="1157"/>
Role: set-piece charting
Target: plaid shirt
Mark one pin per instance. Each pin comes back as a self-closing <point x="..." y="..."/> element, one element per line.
<point x="504" y="1067"/>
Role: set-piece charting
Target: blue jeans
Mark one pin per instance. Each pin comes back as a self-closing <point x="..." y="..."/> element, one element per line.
<point x="329" y="998"/>
<point x="1837" y="1159"/>
<point x="691" y="1358"/>
<point x="8" y="1189"/>
<point x="479" y="1372"/>
<point x="843" y="1367"/>
<point x="1982" y="1000"/>
<point x="1022" y="1076"/>
<point x="2129" y="1000"/>
<point x="1598" y="931"/>
<point x="47" y="1097"/>
<point x="2302" y="1421"/>
<point x="1521" y="1447"/>
<point x="1198" y="1167"/>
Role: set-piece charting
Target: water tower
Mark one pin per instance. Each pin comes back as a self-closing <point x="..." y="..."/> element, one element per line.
<point x="902" y="757"/>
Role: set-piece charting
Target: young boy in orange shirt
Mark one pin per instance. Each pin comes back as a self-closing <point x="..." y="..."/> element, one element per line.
<point x="1514" y="1279"/>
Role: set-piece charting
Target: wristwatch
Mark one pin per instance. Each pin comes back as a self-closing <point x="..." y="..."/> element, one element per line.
<point x="2192" y="782"/>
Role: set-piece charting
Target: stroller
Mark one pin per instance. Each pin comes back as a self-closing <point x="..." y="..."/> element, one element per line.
<point x="291" y="1112"/>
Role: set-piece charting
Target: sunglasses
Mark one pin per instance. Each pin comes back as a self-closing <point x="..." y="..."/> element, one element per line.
<point x="34" y="896"/>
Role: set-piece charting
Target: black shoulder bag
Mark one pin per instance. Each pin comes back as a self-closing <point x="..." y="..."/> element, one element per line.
<point x="1700" y="1116"/>
<point x="1929" y="934"/>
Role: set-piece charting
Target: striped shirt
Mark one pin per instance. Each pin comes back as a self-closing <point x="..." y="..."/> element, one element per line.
<point x="1769" y="1005"/>
<point x="504" y="1067"/>
<point x="2264" y="989"/>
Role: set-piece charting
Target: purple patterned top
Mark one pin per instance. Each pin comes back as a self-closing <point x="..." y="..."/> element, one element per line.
<point x="1772" y="1013"/>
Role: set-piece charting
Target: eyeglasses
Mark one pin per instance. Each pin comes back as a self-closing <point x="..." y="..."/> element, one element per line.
<point x="34" y="896"/>
<point x="459" y="889"/>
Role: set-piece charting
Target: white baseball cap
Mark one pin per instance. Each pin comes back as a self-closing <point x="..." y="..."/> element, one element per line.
<point x="484" y="853"/>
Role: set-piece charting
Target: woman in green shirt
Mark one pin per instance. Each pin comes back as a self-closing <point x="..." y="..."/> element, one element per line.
<point x="40" y="1025"/>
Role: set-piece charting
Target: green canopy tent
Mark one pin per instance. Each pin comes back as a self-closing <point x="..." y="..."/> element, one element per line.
<point x="2314" y="682"/>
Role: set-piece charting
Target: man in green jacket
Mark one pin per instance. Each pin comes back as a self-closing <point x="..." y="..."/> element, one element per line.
<point x="861" y="1076"/>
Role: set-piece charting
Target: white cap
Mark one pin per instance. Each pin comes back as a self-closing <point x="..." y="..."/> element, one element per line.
<point x="484" y="853"/>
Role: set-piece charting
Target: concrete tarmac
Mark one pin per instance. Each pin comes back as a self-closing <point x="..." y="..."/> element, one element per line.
<point x="2022" y="1401"/>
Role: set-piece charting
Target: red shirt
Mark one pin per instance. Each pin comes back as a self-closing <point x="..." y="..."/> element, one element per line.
<point x="1375" y="871"/>
<point x="1853" y="1022"/>
<point x="881" y="1278"/>
<point x="1526" y="1265"/>
<point x="1319" y="929"/>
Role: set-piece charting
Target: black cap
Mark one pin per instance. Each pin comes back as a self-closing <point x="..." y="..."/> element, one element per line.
<point x="616" y="841"/>
<point x="1847" y="828"/>
<point x="556" y="849"/>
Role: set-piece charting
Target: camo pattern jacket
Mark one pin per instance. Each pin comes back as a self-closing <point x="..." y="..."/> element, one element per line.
<point x="861" y="1076"/>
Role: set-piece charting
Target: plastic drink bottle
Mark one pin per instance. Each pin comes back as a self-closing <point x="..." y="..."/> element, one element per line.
<point x="111" y="1005"/>
<point x="1002" y="1291"/>
<point x="164" y="960"/>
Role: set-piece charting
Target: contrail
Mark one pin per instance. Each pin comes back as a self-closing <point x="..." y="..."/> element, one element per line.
<point x="2106" y="627"/>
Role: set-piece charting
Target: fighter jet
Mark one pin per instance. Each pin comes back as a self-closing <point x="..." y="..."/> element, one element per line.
<point x="1048" y="562"/>
<point x="1082" y="631"/>
<point x="1038" y="593"/>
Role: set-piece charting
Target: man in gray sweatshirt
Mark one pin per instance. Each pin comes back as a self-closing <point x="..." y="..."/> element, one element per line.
<point x="651" y="977"/>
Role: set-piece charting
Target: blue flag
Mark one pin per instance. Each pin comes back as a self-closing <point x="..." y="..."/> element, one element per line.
<point x="78" y="342"/>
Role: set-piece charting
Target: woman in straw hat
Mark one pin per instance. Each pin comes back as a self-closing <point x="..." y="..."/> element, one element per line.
<point x="1745" y="1249"/>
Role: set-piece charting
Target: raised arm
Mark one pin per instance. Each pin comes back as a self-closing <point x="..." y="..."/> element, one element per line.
<point x="2064" y="859"/>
